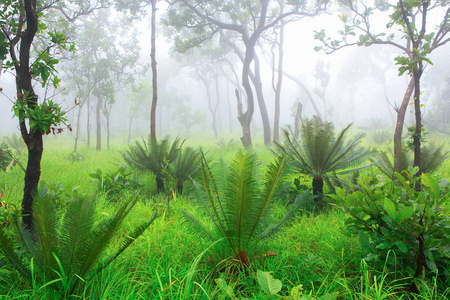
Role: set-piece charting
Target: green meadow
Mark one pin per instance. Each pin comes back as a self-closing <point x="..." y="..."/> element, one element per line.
<point x="311" y="256"/>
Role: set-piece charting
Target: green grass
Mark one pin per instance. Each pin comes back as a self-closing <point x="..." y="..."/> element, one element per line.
<point x="168" y="262"/>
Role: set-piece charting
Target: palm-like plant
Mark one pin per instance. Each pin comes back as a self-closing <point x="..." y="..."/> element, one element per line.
<point x="320" y="153"/>
<point x="431" y="158"/>
<point x="154" y="157"/>
<point x="238" y="204"/>
<point x="184" y="168"/>
<point x="68" y="251"/>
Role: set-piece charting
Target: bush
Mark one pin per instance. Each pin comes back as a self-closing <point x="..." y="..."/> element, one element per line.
<point x="114" y="182"/>
<point x="397" y="225"/>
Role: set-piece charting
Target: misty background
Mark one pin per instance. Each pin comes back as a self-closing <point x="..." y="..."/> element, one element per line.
<point x="354" y="84"/>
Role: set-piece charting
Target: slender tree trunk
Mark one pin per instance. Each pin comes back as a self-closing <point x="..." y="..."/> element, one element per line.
<point x="257" y="83"/>
<point x="77" y="133"/>
<point x="129" y="130"/>
<point x="98" y="116"/>
<point x="154" y="72"/>
<point x="88" y="124"/>
<point x="276" y="119"/>
<point x="107" y="131"/>
<point x="401" y="112"/>
<point x="298" y="116"/>
<point x="418" y="118"/>
<point x="211" y="109"/>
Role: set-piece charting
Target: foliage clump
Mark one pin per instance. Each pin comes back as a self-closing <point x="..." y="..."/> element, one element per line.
<point x="320" y="153"/>
<point x="64" y="250"/>
<point x="405" y="228"/>
<point x="168" y="161"/>
<point x="237" y="199"/>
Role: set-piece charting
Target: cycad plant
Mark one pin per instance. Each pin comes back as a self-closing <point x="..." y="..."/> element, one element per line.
<point x="154" y="156"/>
<point x="431" y="158"/>
<point x="68" y="251"/>
<point x="320" y="153"/>
<point x="238" y="202"/>
<point x="185" y="167"/>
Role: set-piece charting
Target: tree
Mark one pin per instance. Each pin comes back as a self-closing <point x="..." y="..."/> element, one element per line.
<point x="411" y="18"/>
<point x="20" y="25"/>
<point x="107" y="57"/>
<point x="137" y="98"/>
<point x="136" y="7"/>
<point x="246" y="19"/>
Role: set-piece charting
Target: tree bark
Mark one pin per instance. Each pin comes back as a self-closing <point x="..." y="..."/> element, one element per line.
<point x="298" y="116"/>
<point x="401" y="112"/>
<point x="154" y="72"/>
<point x="276" y="119"/>
<point x="418" y="116"/>
<point x="257" y="83"/>
<point x="25" y="93"/>
<point x="98" y="115"/>
<point x="77" y="133"/>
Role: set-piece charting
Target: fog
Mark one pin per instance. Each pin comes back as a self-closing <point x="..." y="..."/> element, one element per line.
<point x="354" y="84"/>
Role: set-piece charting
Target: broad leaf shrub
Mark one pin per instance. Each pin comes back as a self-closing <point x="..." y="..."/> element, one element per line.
<point x="116" y="181"/>
<point x="400" y="227"/>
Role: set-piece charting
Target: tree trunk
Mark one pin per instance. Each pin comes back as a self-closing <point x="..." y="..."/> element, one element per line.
<point x="35" y="146"/>
<point x="88" y="124"/>
<point x="129" y="130"/>
<point x="77" y="133"/>
<point x="276" y="119"/>
<point x="33" y="139"/>
<point x="245" y="121"/>
<point x="418" y="116"/>
<point x="154" y="72"/>
<point x="317" y="185"/>
<point x="211" y="109"/>
<point x="98" y="116"/>
<point x="257" y="83"/>
<point x="297" y="119"/>
<point x="401" y="112"/>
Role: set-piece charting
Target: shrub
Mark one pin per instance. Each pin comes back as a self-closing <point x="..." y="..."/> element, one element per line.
<point x="396" y="224"/>
<point x="114" y="182"/>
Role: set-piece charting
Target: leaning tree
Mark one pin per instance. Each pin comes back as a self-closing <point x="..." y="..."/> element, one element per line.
<point x="196" y="21"/>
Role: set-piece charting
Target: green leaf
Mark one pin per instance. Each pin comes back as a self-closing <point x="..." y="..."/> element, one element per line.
<point x="269" y="284"/>
<point x="225" y="287"/>
<point x="432" y="185"/>
<point x="401" y="245"/>
<point x="389" y="206"/>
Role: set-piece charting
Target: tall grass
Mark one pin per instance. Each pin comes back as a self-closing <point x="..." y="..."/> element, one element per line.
<point x="168" y="262"/>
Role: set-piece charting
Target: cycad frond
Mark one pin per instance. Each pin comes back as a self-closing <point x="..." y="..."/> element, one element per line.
<point x="431" y="159"/>
<point x="46" y="222"/>
<point x="273" y="228"/>
<point x="76" y="234"/>
<point x="275" y="175"/>
<point x="198" y="227"/>
<point x="8" y="249"/>
<point x="129" y="239"/>
<point x="240" y="209"/>
<point x="103" y="233"/>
